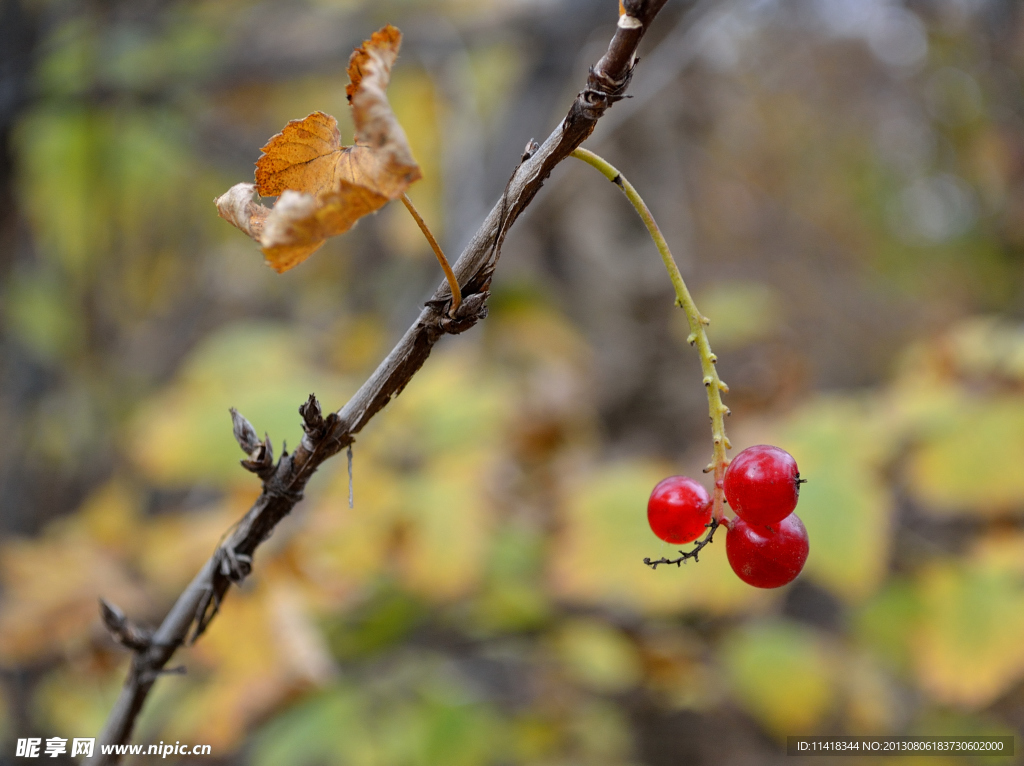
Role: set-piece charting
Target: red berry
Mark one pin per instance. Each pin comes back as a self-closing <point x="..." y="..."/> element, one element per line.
<point x="762" y="484"/>
<point x="767" y="557"/>
<point x="678" y="510"/>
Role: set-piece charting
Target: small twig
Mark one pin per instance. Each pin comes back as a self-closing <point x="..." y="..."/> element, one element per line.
<point x="691" y="554"/>
<point x="124" y="631"/>
<point x="453" y="283"/>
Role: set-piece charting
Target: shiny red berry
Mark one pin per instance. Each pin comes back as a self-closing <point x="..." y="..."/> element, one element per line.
<point x="767" y="557"/>
<point x="678" y="510"/>
<point x="762" y="484"/>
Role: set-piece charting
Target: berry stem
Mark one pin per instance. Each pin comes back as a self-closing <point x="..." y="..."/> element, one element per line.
<point x="453" y="283"/>
<point x="698" y="336"/>
<point x="685" y="556"/>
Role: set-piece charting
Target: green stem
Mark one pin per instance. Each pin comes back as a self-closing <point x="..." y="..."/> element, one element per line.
<point x="698" y="336"/>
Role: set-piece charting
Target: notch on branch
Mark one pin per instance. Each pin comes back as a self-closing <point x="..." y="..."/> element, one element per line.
<point x="122" y="629"/>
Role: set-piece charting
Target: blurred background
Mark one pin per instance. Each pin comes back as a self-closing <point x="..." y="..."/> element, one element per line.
<point x="843" y="186"/>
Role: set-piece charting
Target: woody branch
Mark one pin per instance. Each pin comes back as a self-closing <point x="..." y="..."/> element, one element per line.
<point x="285" y="480"/>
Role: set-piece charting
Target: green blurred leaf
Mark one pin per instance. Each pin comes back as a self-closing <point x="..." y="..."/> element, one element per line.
<point x="375" y="625"/>
<point x="319" y="730"/>
<point x="39" y="313"/>
<point x="513" y="597"/>
<point x="96" y="181"/>
<point x="872" y="704"/>
<point x="598" y="656"/>
<point x="74" y="702"/>
<point x="379" y="724"/>
<point x="886" y="622"/>
<point x="740" y="312"/>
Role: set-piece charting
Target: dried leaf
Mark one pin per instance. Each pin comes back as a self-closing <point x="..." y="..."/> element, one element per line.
<point x="301" y="157"/>
<point x="324" y="188"/>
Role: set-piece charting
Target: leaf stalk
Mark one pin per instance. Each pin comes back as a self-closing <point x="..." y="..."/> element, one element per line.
<point x="453" y="283"/>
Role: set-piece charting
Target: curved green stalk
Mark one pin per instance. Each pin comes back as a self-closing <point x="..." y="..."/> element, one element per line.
<point x="453" y="282"/>
<point x="698" y="337"/>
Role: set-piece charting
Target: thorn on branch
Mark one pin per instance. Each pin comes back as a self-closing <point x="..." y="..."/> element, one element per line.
<point x="124" y="631"/>
<point x="261" y="453"/>
<point x="151" y="675"/>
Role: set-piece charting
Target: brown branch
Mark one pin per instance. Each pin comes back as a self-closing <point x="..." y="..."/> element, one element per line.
<point x="283" y="483"/>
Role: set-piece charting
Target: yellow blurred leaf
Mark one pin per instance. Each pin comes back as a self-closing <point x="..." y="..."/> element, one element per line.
<point x="261" y="649"/>
<point x="182" y="435"/>
<point x="598" y="656"/>
<point x="76" y="700"/>
<point x="872" y="705"/>
<point x="743" y="312"/>
<point x="324" y="187"/>
<point x="987" y="346"/>
<point x="52" y="589"/>
<point x="783" y="674"/>
<point x="598" y="558"/>
<point x="971" y="461"/>
<point x="111" y="516"/>
<point x="172" y="547"/>
<point x="969" y="647"/>
<point x="422" y="510"/>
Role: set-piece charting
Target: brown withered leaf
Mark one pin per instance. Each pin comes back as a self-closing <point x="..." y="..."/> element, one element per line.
<point x="323" y="188"/>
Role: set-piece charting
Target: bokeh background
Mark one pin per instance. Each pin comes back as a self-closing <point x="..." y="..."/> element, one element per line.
<point x="843" y="185"/>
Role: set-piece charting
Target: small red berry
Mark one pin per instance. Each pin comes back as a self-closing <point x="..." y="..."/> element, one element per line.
<point x="767" y="557"/>
<point x="762" y="484"/>
<point x="678" y="510"/>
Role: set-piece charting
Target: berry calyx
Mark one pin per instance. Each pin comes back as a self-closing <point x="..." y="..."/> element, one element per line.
<point x="678" y="510"/>
<point x="767" y="556"/>
<point x="762" y="484"/>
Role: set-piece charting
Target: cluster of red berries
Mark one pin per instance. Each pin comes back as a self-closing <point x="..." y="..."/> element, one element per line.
<point x="767" y="543"/>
